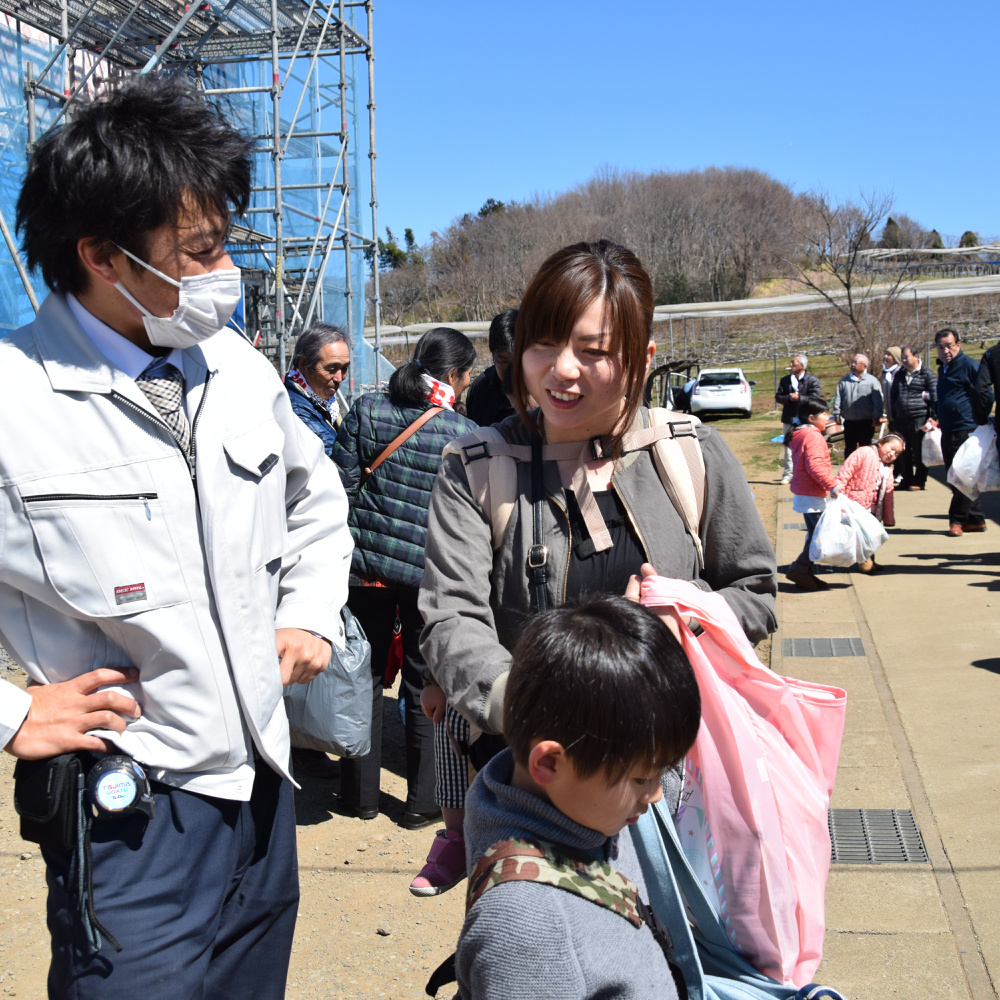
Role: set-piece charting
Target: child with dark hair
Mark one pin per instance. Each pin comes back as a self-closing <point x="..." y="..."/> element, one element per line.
<point x="600" y="700"/>
<point x="812" y="481"/>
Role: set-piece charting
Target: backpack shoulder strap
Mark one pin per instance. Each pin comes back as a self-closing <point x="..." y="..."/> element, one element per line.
<point x="536" y="861"/>
<point x="490" y="463"/>
<point x="679" y="462"/>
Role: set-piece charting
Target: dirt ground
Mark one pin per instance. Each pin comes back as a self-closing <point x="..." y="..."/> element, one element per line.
<point x="360" y="933"/>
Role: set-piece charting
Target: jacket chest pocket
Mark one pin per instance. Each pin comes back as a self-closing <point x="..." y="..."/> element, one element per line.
<point x="258" y="484"/>
<point x="106" y="553"/>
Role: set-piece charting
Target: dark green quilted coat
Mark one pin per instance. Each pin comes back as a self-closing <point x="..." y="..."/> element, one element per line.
<point x="388" y="517"/>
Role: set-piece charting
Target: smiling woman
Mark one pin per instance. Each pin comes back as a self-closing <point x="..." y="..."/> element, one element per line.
<point x="582" y="349"/>
<point x="583" y="343"/>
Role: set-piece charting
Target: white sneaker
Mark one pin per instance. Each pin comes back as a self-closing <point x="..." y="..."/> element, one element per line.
<point x="785" y="480"/>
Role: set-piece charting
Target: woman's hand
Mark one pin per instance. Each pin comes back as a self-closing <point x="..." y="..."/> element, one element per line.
<point x="668" y="616"/>
<point x="433" y="703"/>
<point x="634" y="588"/>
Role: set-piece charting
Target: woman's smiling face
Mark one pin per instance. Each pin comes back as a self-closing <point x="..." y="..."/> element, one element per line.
<point x="579" y="384"/>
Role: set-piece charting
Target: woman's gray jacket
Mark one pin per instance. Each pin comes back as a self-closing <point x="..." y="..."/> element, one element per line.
<point x="475" y="601"/>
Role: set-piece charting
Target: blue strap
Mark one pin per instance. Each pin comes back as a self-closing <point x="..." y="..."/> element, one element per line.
<point x="666" y="900"/>
<point x="711" y="966"/>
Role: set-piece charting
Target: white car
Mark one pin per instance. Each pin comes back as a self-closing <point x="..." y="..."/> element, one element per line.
<point x="721" y="390"/>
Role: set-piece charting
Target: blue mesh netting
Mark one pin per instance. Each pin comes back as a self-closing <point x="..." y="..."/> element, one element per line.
<point x="306" y="161"/>
<point x="15" y="307"/>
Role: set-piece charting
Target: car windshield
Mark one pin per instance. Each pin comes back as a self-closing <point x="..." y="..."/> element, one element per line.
<point x="723" y="378"/>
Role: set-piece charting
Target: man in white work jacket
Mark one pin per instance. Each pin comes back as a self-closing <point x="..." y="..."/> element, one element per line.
<point x="173" y="549"/>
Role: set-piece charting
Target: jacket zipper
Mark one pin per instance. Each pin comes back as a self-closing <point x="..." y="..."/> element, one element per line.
<point x="194" y="425"/>
<point x="144" y="497"/>
<point x="190" y="459"/>
<point x="92" y="496"/>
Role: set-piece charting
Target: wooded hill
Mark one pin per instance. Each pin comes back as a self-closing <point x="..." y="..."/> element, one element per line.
<point x="703" y="235"/>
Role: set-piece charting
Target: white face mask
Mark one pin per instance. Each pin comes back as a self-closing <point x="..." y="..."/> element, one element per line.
<point x="206" y="302"/>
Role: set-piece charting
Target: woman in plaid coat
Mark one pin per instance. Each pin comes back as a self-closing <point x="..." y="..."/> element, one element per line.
<point x="388" y="521"/>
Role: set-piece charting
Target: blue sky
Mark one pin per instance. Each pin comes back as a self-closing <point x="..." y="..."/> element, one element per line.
<point x="506" y="100"/>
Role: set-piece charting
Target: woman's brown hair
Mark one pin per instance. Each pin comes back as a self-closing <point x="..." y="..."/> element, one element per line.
<point x="562" y="290"/>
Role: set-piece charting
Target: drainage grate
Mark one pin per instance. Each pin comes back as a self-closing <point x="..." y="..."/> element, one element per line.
<point x="822" y="647"/>
<point x="875" y="837"/>
<point x="795" y="526"/>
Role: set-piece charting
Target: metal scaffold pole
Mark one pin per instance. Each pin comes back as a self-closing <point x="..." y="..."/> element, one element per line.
<point x="346" y="189"/>
<point x="276" y="154"/>
<point x="291" y="260"/>
<point x="372" y="156"/>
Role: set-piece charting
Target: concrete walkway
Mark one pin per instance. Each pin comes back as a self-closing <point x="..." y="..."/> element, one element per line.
<point x="923" y="733"/>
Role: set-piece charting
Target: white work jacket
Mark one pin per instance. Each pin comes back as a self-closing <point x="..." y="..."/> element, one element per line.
<point x="113" y="554"/>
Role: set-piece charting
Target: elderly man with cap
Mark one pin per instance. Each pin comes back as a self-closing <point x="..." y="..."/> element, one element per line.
<point x="798" y="384"/>
<point x="857" y="405"/>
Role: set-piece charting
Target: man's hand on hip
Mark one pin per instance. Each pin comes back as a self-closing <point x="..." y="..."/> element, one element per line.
<point x="61" y="715"/>
<point x="303" y="655"/>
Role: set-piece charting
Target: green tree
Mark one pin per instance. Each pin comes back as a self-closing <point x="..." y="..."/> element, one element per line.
<point x="490" y="206"/>
<point x="892" y="238"/>
<point x="969" y="239"/>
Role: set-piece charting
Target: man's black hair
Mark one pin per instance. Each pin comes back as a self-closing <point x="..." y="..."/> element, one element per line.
<point x="606" y="679"/>
<point x="502" y="330"/>
<point x="126" y="163"/>
<point x="812" y="406"/>
<point x="944" y="333"/>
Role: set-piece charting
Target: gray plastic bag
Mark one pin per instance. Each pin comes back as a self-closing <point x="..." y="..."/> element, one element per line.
<point x="333" y="712"/>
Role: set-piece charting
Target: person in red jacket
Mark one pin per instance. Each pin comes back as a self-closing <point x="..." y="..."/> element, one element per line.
<point x="812" y="481"/>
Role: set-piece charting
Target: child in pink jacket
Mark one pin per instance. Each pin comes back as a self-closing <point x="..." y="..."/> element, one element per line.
<point x="812" y="482"/>
<point x="866" y="477"/>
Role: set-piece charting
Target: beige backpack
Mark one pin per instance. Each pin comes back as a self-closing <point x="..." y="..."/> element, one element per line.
<point x="672" y="437"/>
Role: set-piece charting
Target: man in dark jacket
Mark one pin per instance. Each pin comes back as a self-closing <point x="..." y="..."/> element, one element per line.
<point x="986" y="384"/>
<point x="912" y="400"/>
<point x="955" y="390"/>
<point x="319" y="366"/>
<point x="486" y="402"/>
<point x="797" y="384"/>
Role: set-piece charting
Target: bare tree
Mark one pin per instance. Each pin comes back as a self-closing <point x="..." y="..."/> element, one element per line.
<point x="833" y="237"/>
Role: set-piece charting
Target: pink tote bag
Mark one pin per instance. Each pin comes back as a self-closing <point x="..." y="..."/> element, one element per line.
<point x="765" y="759"/>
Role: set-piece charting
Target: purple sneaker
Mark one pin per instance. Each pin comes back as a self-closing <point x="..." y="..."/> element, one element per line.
<point x="445" y="866"/>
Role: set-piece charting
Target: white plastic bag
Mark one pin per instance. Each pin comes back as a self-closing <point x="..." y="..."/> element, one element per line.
<point x="930" y="450"/>
<point x="975" y="468"/>
<point x="846" y="534"/>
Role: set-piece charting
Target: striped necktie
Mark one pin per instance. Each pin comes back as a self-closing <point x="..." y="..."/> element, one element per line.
<point x="163" y="385"/>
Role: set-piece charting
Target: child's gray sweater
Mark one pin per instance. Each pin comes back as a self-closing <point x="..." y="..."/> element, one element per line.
<point x="527" y="940"/>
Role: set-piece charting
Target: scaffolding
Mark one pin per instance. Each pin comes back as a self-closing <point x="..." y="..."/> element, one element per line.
<point x="284" y="71"/>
